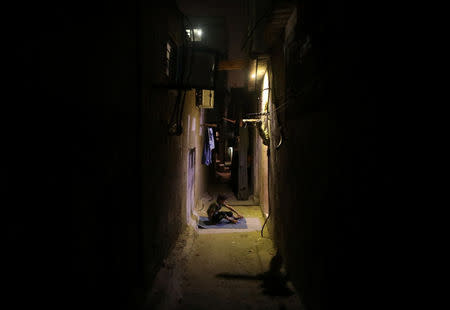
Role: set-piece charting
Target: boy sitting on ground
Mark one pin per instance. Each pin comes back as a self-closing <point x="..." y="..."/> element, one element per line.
<point x="215" y="215"/>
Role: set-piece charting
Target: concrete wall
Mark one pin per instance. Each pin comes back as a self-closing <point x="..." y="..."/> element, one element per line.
<point x="322" y="178"/>
<point x="165" y="157"/>
<point x="99" y="185"/>
<point x="261" y="174"/>
<point x="165" y="177"/>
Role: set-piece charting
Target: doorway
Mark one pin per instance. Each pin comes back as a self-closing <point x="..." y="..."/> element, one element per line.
<point x="190" y="189"/>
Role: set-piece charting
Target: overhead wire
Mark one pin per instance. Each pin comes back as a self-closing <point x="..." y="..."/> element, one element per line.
<point x="266" y="14"/>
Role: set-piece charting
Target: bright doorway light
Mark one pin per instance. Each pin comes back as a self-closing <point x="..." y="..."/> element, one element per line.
<point x="265" y="92"/>
<point x="198" y="34"/>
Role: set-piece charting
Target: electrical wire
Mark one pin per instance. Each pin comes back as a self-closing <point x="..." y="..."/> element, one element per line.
<point x="277" y="119"/>
<point x="268" y="168"/>
<point x="265" y="222"/>
<point x="266" y="14"/>
<point x="268" y="181"/>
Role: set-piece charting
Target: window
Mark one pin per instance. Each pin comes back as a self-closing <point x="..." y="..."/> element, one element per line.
<point x="171" y="61"/>
<point x="194" y="34"/>
<point x="168" y="54"/>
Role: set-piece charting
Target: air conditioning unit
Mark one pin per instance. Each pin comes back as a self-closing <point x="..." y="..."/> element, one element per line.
<point x="204" y="98"/>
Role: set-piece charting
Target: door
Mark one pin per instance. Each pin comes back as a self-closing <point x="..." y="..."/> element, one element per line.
<point x="190" y="190"/>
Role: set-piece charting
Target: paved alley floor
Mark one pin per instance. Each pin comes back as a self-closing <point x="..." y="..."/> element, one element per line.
<point x="230" y="271"/>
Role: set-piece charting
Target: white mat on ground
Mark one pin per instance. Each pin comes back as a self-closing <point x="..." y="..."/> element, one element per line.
<point x="253" y="224"/>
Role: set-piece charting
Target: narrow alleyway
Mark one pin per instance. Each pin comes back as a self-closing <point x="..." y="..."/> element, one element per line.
<point x="128" y="118"/>
<point x="232" y="271"/>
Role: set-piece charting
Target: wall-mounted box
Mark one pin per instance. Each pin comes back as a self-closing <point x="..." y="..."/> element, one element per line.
<point x="204" y="98"/>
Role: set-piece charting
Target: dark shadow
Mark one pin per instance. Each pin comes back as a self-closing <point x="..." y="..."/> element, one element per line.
<point x="232" y="276"/>
<point x="274" y="282"/>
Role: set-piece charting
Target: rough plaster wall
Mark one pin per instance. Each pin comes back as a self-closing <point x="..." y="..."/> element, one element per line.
<point x="165" y="160"/>
<point x="100" y="86"/>
<point x="194" y="138"/>
<point x="277" y="178"/>
<point x="256" y="167"/>
<point x="261" y="166"/>
<point x="202" y="171"/>
<point x="75" y="154"/>
<point x="93" y="215"/>
<point x="128" y="177"/>
<point x="321" y="186"/>
<point x="264" y="179"/>
<point x="156" y="234"/>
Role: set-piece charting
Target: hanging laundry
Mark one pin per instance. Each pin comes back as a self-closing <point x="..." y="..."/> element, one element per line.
<point x="208" y="147"/>
<point x="211" y="139"/>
